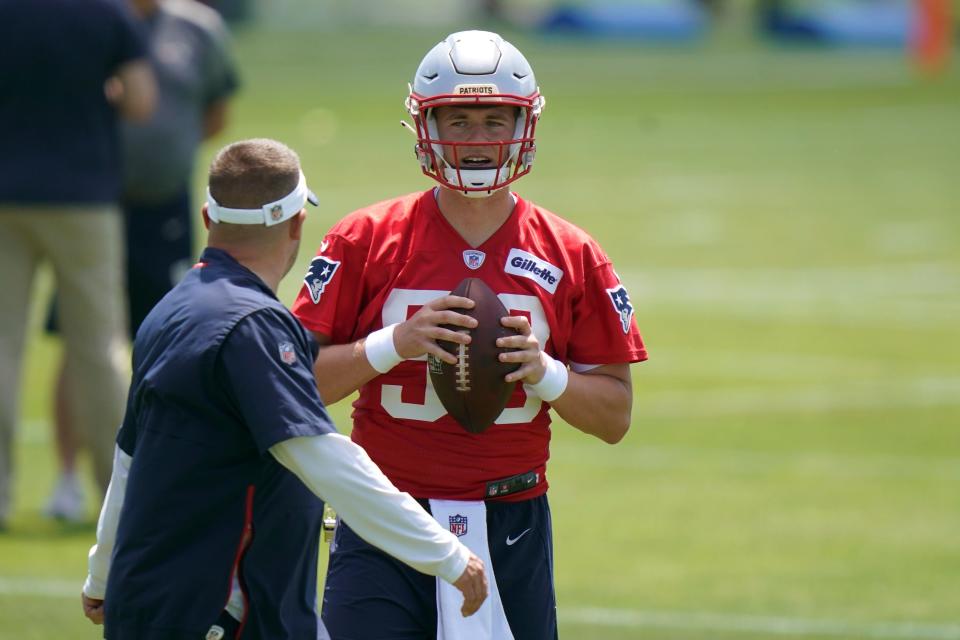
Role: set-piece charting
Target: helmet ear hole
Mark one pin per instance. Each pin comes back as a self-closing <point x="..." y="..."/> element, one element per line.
<point x="528" y="157"/>
<point x="421" y="157"/>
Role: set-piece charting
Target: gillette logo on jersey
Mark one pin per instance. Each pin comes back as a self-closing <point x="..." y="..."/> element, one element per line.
<point x="527" y="265"/>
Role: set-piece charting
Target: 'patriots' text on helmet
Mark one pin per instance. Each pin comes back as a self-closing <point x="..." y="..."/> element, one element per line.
<point x="474" y="68"/>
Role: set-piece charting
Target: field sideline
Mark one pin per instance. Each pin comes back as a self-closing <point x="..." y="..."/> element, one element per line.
<point x="786" y="223"/>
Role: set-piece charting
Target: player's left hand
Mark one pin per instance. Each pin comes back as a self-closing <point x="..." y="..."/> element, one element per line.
<point x="528" y="353"/>
<point x="92" y="608"/>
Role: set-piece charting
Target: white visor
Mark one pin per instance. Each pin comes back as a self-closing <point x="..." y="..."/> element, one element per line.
<point x="269" y="214"/>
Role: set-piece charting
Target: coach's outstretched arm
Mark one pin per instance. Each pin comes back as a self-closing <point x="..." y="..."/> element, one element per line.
<point x="341" y="473"/>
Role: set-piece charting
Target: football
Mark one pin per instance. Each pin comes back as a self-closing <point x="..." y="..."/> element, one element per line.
<point x="473" y="391"/>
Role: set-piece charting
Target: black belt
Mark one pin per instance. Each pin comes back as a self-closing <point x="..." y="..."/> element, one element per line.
<point x="513" y="484"/>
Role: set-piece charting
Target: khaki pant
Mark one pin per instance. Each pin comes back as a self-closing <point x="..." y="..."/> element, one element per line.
<point x="85" y="247"/>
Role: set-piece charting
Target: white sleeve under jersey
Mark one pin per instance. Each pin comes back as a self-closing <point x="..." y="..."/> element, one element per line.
<point x="95" y="585"/>
<point x="341" y="473"/>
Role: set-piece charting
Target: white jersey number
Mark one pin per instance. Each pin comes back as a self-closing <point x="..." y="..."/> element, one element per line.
<point x="395" y="310"/>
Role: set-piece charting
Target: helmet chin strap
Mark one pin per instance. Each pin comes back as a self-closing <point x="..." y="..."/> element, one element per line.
<point x="472" y="178"/>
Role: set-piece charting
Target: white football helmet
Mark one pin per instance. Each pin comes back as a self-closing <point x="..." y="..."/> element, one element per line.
<point x="474" y="68"/>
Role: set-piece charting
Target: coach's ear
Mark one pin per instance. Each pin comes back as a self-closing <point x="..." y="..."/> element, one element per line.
<point x="206" y="217"/>
<point x="296" y="225"/>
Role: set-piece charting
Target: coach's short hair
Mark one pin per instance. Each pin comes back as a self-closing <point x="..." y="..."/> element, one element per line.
<point x="250" y="173"/>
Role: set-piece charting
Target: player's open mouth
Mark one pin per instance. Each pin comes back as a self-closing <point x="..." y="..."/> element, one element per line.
<point x="476" y="162"/>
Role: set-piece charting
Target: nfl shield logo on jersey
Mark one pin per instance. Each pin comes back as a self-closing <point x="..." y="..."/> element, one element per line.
<point x="621" y="304"/>
<point x="473" y="258"/>
<point x="458" y="525"/>
<point x="319" y="275"/>
<point x="287" y="354"/>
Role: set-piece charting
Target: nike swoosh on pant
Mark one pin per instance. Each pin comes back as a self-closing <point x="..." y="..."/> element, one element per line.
<point x="512" y="541"/>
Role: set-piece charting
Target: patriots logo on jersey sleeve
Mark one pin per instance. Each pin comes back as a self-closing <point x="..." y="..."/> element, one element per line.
<point x="319" y="275"/>
<point x="621" y="304"/>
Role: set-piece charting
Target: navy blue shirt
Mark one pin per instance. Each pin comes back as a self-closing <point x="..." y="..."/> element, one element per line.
<point x="222" y="372"/>
<point x="58" y="134"/>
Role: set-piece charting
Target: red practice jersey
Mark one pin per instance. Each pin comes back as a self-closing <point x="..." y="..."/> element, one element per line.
<point x="380" y="264"/>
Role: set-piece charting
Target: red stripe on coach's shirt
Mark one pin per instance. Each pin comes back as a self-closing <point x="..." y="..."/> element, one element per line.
<point x="246" y="537"/>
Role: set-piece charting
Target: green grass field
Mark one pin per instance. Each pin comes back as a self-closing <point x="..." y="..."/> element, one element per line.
<point x="787" y="224"/>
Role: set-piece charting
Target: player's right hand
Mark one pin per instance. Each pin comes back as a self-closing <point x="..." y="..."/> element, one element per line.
<point x="418" y="335"/>
<point x="92" y="608"/>
<point x="472" y="583"/>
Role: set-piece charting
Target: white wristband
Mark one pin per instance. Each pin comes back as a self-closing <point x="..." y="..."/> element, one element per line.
<point x="380" y="351"/>
<point x="554" y="381"/>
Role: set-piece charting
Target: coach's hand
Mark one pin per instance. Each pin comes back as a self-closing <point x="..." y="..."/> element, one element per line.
<point x="92" y="608"/>
<point x="472" y="583"/>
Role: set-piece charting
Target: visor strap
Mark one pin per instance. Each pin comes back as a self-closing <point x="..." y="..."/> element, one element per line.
<point x="269" y="214"/>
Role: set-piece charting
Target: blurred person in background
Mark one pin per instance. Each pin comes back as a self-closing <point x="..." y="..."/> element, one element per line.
<point x="69" y="69"/>
<point x="376" y="299"/>
<point x="196" y="76"/>
<point x="235" y="12"/>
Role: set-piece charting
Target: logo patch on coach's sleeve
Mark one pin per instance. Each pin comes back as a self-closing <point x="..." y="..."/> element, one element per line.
<point x="319" y="275"/>
<point x="621" y="304"/>
<point x="287" y="353"/>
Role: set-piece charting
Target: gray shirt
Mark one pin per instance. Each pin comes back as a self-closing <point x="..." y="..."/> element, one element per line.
<point x="189" y="53"/>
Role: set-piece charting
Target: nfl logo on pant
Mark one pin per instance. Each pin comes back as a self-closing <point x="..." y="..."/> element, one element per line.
<point x="458" y="525"/>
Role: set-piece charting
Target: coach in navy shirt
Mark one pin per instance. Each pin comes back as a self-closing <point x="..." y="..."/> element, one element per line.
<point x="212" y="520"/>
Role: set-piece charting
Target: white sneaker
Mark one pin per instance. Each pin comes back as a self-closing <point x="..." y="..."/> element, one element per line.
<point x="67" y="503"/>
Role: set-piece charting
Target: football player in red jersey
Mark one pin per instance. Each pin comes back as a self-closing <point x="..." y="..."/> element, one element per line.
<point x="376" y="297"/>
